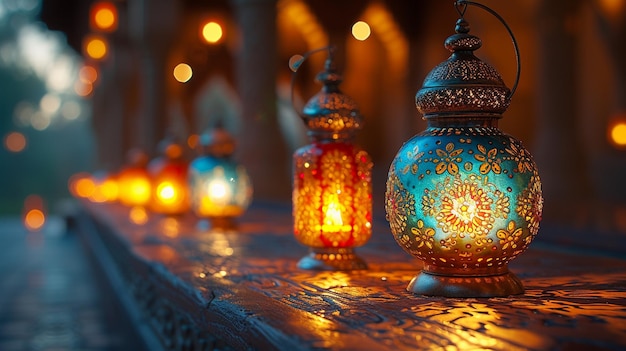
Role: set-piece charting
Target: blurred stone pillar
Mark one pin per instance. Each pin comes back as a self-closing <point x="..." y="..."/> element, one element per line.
<point x="262" y="148"/>
<point x="608" y="163"/>
<point x="153" y="27"/>
<point x="559" y="151"/>
<point x="111" y="98"/>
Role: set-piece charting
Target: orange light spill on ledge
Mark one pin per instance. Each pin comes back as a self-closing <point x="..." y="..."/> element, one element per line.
<point x="138" y="215"/>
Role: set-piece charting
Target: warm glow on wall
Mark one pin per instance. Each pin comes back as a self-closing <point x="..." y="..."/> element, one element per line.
<point x="104" y="16"/>
<point x="618" y="134"/>
<point x="391" y="36"/>
<point x="183" y="72"/>
<point x="96" y="47"/>
<point x="361" y="30"/>
<point x="15" y="142"/>
<point x="613" y="7"/>
<point x="212" y="32"/>
<point x="299" y="13"/>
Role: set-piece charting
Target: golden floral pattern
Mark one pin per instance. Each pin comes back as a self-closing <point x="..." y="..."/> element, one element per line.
<point x="530" y="204"/>
<point x="399" y="205"/>
<point x="423" y="236"/>
<point x="510" y="236"/>
<point x="501" y="209"/>
<point x="521" y="156"/>
<point x="306" y="197"/>
<point x="466" y="208"/>
<point x="448" y="160"/>
<point x="489" y="159"/>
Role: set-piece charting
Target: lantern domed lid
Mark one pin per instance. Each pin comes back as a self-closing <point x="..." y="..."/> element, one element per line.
<point x="331" y="113"/>
<point x="136" y="157"/>
<point x="170" y="149"/>
<point x="463" y="84"/>
<point x="217" y="142"/>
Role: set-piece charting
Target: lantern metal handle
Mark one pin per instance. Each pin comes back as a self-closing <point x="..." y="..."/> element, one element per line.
<point x="461" y="7"/>
<point x="296" y="61"/>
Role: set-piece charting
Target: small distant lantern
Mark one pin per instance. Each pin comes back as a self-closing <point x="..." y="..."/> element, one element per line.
<point x="462" y="196"/>
<point x="220" y="188"/>
<point x="168" y="176"/>
<point x="134" y="181"/>
<point x="332" y="190"/>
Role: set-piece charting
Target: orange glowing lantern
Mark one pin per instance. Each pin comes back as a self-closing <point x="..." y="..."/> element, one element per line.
<point x="134" y="181"/>
<point x="332" y="194"/>
<point x="81" y="185"/>
<point x="168" y="173"/>
<point x="105" y="188"/>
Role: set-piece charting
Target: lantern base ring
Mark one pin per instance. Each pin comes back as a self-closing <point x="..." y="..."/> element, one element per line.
<point x="332" y="259"/>
<point x="499" y="285"/>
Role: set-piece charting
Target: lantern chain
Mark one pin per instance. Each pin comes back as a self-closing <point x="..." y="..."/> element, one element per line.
<point x="296" y="61"/>
<point x="461" y="7"/>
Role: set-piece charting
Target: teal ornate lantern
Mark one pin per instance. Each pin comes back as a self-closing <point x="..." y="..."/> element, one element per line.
<point x="220" y="188"/>
<point x="462" y="196"/>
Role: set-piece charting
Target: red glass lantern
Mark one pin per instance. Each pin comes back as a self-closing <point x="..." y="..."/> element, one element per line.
<point x="332" y="192"/>
<point x="168" y="174"/>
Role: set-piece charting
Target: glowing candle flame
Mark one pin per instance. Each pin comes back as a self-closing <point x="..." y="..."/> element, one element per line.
<point x="167" y="193"/>
<point x="218" y="190"/>
<point x="332" y="218"/>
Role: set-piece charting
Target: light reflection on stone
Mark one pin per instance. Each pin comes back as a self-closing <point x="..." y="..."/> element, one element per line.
<point x="170" y="227"/>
